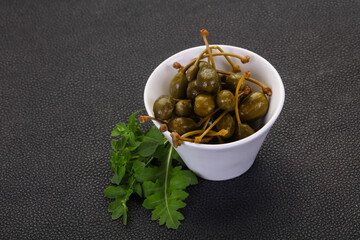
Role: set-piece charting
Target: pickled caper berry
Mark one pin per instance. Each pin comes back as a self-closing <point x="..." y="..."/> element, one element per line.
<point x="178" y="85"/>
<point x="257" y="124"/>
<point x="232" y="80"/>
<point x="203" y="64"/>
<point x="254" y="106"/>
<point x="192" y="90"/>
<point x="243" y="130"/>
<point x="163" y="107"/>
<point x="181" y="125"/>
<point x="207" y="80"/>
<point x="226" y="100"/>
<point x="204" y="105"/>
<point x="183" y="108"/>
<point x="227" y="122"/>
<point x="192" y="72"/>
<point x="200" y="90"/>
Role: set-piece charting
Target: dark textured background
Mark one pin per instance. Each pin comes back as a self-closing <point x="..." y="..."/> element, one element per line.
<point x="70" y="70"/>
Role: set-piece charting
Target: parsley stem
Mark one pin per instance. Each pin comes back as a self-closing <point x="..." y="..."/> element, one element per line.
<point x="149" y="161"/>
<point x="168" y="163"/>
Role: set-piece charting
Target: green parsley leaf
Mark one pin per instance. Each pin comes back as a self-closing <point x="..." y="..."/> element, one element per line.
<point x="147" y="147"/>
<point x="131" y="162"/>
<point x="118" y="175"/>
<point x="166" y="195"/>
<point x="155" y="134"/>
<point x="116" y="208"/>
<point x="143" y="173"/>
<point x="119" y="130"/>
<point x="138" y="189"/>
<point x="113" y="192"/>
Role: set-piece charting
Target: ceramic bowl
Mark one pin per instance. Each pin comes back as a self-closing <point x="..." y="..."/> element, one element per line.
<point x="229" y="160"/>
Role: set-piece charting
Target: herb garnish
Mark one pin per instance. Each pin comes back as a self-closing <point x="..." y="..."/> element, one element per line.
<point x="162" y="186"/>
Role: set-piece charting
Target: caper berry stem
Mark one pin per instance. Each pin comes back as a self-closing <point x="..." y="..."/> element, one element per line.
<point x="245" y="91"/>
<point x="207" y="117"/>
<point x="197" y="60"/>
<point x="193" y="67"/>
<point x="204" y="33"/>
<point x="205" y="124"/>
<point x="211" y="133"/>
<point x="246" y="74"/>
<point x="178" y="66"/>
<point x="245" y="59"/>
<point x="163" y="127"/>
<point x="204" y="140"/>
<point x="235" y="67"/>
<point x="144" y="119"/>
<point x="177" y="140"/>
<point x="222" y="133"/>
<point x="188" y="134"/>
<point x="190" y="63"/>
<point x="266" y="90"/>
<point x="198" y="139"/>
<point x="224" y="72"/>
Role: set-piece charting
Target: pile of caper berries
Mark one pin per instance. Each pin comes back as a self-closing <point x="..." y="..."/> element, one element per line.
<point x="207" y="105"/>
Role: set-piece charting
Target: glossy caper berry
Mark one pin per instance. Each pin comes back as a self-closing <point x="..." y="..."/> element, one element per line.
<point x="178" y="85"/>
<point x="183" y="108"/>
<point x="163" y="107"/>
<point x="207" y="80"/>
<point x="226" y="100"/>
<point x="192" y="90"/>
<point x="204" y="105"/>
<point x="203" y="64"/>
<point x="232" y="80"/>
<point x="181" y="125"/>
<point x="243" y="130"/>
<point x="192" y="72"/>
<point x="227" y="122"/>
<point x="254" y="106"/>
<point x="257" y="124"/>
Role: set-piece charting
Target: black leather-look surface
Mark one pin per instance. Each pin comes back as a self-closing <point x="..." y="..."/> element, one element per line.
<point x="70" y="70"/>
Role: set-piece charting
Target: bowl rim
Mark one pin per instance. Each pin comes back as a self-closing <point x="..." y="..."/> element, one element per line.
<point x="248" y="139"/>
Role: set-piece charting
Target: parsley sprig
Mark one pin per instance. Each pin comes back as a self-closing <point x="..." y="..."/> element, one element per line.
<point x="161" y="185"/>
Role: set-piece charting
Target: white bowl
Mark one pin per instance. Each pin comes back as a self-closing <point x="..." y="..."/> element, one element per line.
<point x="229" y="160"/>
